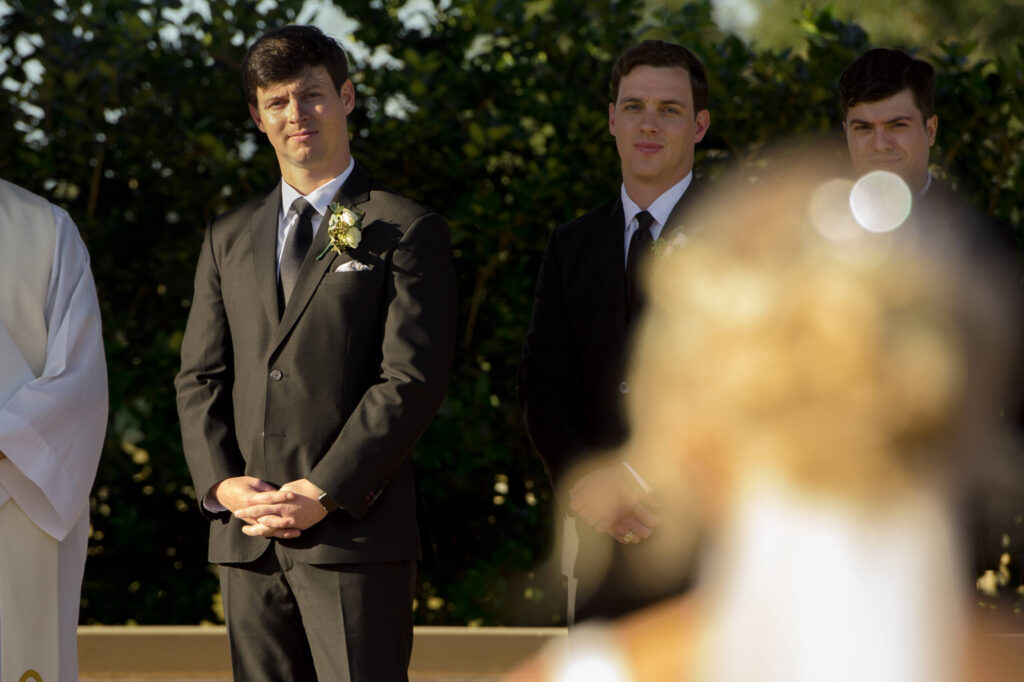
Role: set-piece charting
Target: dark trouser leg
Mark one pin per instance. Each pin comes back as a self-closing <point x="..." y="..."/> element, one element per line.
<point x="296" y="622"/>
<point x="268" y="643"/>
<point x="358" y="618"/>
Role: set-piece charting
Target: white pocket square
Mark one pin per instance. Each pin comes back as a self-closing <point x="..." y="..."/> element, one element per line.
<point x="353" y="266"/>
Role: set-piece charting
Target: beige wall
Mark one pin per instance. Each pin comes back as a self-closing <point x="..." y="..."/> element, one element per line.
<point x="198" y="651"/>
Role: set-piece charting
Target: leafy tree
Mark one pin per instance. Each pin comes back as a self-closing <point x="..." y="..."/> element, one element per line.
<point x="129" y="113"/>
<point x="992" y="24"/>
<point x="134" y="125"/>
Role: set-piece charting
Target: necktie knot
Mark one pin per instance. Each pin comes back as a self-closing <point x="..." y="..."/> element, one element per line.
<point x="644" y="220"/>
<point x="303" y="208"/>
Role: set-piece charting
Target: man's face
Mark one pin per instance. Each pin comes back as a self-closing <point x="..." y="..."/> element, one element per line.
<point x="891" y="135"/>
<point x="305" y="121"/>
<point x="655" y="126"/>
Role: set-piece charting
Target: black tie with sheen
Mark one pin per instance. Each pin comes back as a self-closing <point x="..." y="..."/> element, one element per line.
<point x="639" y="250"/>
<point x="295" y="248"/>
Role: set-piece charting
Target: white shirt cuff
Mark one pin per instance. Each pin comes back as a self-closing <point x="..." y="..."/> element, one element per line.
<point x="211" y="504"/>
<point x="639" y="479"/>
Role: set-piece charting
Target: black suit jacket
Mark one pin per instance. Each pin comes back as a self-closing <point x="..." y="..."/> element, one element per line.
<point x="571" y="383"/>
<point x="337" y="388"/>
<point x="941" y="207"/>
<point x="572" y="387"/>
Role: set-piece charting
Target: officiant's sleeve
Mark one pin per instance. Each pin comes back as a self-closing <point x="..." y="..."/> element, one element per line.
<point x="52" y="428"/>
<point x="544" y="382"/>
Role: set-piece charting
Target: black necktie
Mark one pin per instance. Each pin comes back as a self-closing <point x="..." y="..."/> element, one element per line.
<point x="639" y="249"/>
<point x="295" y="248"/>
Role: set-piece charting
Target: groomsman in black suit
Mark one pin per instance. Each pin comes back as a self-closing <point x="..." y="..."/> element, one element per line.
<point x="571" y="382"/>
<point x="317" y="350"/>
<point x="888" y="103"/>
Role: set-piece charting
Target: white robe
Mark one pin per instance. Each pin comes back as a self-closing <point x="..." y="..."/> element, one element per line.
<point x="52" y="426"/>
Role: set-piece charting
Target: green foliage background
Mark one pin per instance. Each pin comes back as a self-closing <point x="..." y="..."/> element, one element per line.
<point x="495" y="115"/>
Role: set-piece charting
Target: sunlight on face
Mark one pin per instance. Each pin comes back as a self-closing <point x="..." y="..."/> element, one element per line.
<point x="655" y="128"/>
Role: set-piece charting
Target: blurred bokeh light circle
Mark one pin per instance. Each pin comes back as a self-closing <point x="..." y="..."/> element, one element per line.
<point x="880" y="201"/>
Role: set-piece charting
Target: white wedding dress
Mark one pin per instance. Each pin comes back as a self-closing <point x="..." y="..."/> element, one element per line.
<point x="814" y="589"/>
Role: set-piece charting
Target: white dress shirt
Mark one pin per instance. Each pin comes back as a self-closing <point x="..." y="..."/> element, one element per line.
<point x="320" y="199"/>
<point x="660" y="209"/>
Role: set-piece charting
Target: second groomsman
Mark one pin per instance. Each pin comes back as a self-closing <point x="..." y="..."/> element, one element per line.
<point x="571" y="382"/>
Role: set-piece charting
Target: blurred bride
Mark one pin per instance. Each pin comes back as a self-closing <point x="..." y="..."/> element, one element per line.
<point x="819" y="392"/>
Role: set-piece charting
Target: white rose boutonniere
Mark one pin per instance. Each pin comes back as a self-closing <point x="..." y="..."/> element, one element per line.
<point x="344" y="229"/>
<point x="663" y="247"/>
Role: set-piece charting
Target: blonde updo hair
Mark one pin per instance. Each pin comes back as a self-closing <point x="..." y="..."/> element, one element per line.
<point x="850" y="365"/>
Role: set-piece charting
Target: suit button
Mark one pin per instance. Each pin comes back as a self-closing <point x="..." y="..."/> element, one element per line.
<point x="624" y="387"/>
<point x="276" y="375"/>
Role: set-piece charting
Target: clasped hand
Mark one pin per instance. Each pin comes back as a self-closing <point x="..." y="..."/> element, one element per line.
<point x="268" y="511"/>
<point x="611" y="504"/>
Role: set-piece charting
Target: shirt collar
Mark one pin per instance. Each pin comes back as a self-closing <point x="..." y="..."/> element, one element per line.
<point x="660" y="209"/>
<point x="320" y="198"/>
<point x="927" y="184"/>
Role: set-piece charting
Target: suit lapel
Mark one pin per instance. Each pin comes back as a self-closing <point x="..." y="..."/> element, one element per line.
<point x="264" y="250"/>
<point x="355" y="191"/>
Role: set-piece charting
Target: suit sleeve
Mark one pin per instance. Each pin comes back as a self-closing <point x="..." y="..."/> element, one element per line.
<point x="205" y="382"/>
<point x="417" y="349"/>
<point x="545" y="381"/>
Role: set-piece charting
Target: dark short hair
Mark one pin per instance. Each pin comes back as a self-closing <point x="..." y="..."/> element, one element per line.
<point x="660" y="53"/>
<point x="881" y="73"/>
<point x="284" y="53"/>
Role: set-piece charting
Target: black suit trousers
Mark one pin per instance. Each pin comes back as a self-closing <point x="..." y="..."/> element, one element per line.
<point x="290" y="621"/>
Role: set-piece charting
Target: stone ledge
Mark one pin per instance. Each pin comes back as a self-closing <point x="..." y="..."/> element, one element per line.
<point x="202" y="650"/>
<point x="440" y="654"/>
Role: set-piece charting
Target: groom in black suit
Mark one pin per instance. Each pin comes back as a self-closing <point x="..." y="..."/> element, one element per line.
<point x="312" y="361"/>
<point x="571" y="384"/>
